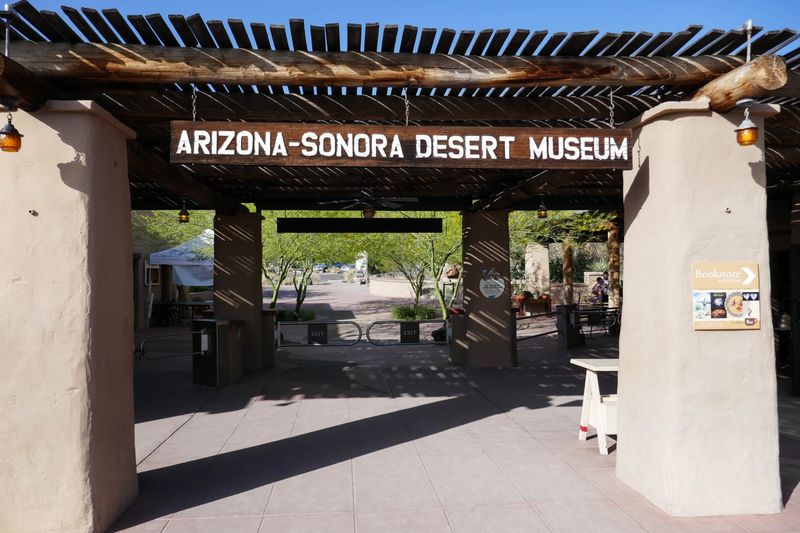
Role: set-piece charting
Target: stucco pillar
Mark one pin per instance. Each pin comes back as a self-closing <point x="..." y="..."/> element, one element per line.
<point x="489" y="338"/>
<point x="537" y="268"/>
<point x="237" y="279"/>
<point x="698" y="424"/>
<point x="66" y="323"/>
<point x="794" y="279"/>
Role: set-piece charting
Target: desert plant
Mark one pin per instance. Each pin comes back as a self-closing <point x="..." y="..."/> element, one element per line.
<point x="414" y="312"/>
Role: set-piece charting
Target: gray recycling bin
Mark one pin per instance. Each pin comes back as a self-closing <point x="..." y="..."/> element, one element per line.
<point x="217" y="352"/>
<point x="569" y="331"/>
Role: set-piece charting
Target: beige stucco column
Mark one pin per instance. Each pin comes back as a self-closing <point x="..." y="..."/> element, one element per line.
<point x="698" y="424"/>
<point x="488" y="335"/>
<point x="237" y="279"/>
<point x="537" y="268"/>
<point x="66" y="323"/>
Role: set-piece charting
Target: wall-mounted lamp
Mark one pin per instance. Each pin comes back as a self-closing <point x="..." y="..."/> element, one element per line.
<point x="542" y="211"/>
<point x="183" y="216"/>
<point x="10" y="138"/>
<point x="747" y="132"/>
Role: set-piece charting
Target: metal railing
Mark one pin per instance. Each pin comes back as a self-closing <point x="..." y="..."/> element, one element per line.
<point x="140" y="353"/>
<point x="409" y="332"/>
<point x="527" y="326"/>
<point x="317" y="333"/>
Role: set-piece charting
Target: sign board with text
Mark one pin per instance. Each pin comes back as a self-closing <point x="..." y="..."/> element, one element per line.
<point x="347" y="145"/>
<point x="726" y="295"/>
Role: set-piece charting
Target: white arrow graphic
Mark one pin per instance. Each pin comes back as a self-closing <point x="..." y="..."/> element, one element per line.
<point x="750" y="276"/>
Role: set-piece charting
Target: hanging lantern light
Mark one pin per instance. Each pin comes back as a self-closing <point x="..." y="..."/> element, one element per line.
<point x="183" y="216"/>
<point x="542" y="211"/>
<point x="747" y="132"/>
<point x="10" y="138"/>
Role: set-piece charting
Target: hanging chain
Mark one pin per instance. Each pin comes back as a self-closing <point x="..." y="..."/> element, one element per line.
<point x="405" y="101"/>
<point x="194" y="102"/>
<point x="10" y="117"/>
<point x="611" y="108"/>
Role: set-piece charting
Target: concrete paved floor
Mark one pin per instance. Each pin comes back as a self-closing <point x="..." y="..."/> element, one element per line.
<point x="395" y="439"/>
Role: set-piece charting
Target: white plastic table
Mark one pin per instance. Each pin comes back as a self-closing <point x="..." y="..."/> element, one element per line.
<point x="597" y="411"/>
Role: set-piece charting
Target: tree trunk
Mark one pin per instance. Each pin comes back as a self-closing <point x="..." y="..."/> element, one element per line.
<point x="613" y="266"/>
<point x="567" y="272"/>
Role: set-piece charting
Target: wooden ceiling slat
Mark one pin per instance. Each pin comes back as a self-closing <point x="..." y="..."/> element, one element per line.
<point x="183" y="29"/>
<point x="426" y="39"/>
<point x="654" y="43"/>
<point x="602" y="43"/>
<point x="333" y="37"/>
<point x="552" y="43"/>
<point x="200" y="30"/>
<point x="388" y="42"/>
<point x="635" y="43"/>
<point x="281" y="42"/>
<point x="576" y="43"/>
<point x="353" y="37"/>
<point x="240" y="35"/>
<point x="162" y="30"/>
<point x="533" y="43"/>
<point x="496" y="44"/>
<point x="58" y="23"/>
<point x="32" y="15"/>
<point x="703" y="41"/>
<point x="737" y="39"/>
<point x="516" y="42"/>
<point x="464" y="40"/>
<point x="121" y="26"/>
<point x="145" y="31"/>
<point x="260" y="35"/>
<point x="220" y="34"/>
<point x="677" y="41"/>
<point x="480" y="42"/>
<point x="408" y="39"/>
<point x="298" y="29"/>
<point x="779" y="39"/>
<point x="13" y="34"/>
<point x="371" y="34"/>
<point x="317" y="38"/>
<point x="100" y="23"/>
<point x="25" y="29"/>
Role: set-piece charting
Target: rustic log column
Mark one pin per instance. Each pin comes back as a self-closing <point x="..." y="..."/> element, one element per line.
<point x="567" y="287"/>
<point x="613" y="266"/>
<point x="698" y="421"/>
<point x="66" y="323"/>
<point x="237" y="279"/>
<point x="488" y="338"/>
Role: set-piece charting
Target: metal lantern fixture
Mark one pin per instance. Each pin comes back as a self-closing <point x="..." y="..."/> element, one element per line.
<point x="10" y="138"/>
<point x="542" y="211"/>
<point x="183" y="216"/>
<point x="747" y="132"/>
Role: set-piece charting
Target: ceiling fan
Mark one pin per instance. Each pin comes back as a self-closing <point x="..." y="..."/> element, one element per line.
<point x="366" y="199"/>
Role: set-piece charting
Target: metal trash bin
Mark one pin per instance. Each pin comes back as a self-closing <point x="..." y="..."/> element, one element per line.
<point x="217" y="352"/>
<point x="569" y="331"/>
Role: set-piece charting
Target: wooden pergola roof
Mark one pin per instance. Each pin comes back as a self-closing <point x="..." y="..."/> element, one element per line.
<point x="643" y="69"/>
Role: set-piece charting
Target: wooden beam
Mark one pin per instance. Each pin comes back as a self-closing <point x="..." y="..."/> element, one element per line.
<point x="149" y="166"/>
<point x="534" y="185"/>
<point x="127" y="63"/>
<point x="20" y="84"/>
<point x="751" y="80"/>
<point x="175" y="105"/>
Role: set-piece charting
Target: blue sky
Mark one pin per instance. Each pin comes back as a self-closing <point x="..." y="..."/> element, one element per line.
<point x="574" y="15"/>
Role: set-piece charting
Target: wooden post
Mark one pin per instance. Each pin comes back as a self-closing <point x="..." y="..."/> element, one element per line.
<point x="614" y="299"/>
<point x="763" y="74"/>
<point x="567" y="271"/>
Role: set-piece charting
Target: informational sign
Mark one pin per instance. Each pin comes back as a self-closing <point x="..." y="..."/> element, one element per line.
<point x="318" y="334"/>
<point x="347" y="145"/>
<point x="726" y="295"/>
<point x="409" y="332"/>
<point x="492" y="284"/>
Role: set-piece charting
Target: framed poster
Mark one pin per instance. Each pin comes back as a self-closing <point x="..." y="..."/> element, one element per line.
<point x="726" y="295"/>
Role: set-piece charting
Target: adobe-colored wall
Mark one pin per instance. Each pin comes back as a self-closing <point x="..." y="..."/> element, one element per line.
<point x="698" y="424"/>
<point x="237" y="279"/>
<point x="66" y="322"/>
